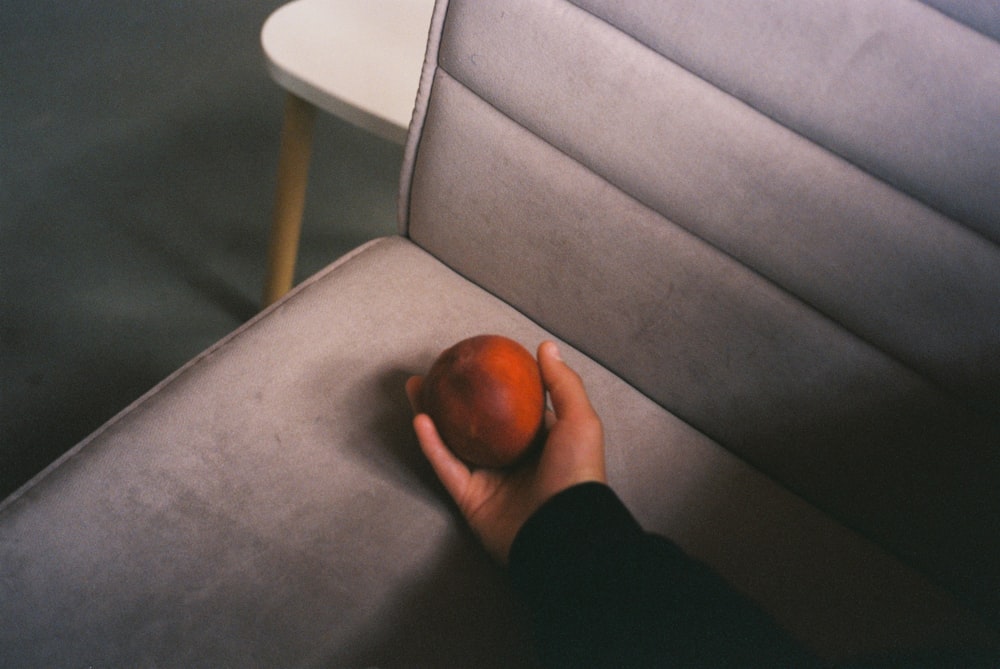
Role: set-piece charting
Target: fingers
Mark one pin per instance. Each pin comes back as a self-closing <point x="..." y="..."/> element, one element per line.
<point x="566" y="390"/>
<point x="413" y="386"/>
<point x="452" y="472"/>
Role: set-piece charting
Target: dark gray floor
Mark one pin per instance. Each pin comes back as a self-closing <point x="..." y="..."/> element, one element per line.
<point x="138" y="153"/>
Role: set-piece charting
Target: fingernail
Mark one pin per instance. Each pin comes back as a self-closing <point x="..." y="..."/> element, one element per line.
<point x="555" y="351"/>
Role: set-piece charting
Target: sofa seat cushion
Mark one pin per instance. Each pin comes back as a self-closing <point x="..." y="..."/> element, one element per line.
<point x="268" y="505"/>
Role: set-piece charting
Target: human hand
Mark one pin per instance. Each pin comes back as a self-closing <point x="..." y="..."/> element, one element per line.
<point x="497" y="502"/>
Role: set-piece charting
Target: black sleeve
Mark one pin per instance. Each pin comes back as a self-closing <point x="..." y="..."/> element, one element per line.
<point x="602" y="592"/>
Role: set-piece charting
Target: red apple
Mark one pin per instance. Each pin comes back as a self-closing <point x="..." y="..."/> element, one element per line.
<point x="486" y="398"/>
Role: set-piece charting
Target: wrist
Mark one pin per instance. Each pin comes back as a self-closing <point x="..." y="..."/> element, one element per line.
<point x="582" y="517"/>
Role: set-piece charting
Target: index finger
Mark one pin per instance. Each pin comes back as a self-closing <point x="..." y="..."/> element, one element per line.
<point x="453" y="473"/>
<point x="413" y="386"/>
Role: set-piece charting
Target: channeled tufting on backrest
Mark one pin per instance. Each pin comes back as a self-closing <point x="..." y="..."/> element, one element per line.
<point x="778" y="220"/>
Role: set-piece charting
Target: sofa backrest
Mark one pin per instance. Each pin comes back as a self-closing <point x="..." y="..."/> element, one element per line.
<point x="778" y="220"/>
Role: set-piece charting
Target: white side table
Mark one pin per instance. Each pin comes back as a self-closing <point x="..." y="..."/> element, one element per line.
<point x="357" y="59"/>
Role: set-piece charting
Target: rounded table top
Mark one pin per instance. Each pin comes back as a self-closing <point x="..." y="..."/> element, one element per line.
<point x="357" y="59"/>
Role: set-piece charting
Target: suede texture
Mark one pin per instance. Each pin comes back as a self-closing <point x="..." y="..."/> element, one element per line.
<point x="268" y="505"/>
<point x="895" y="87"/>
<point x="839" y="334"/>
<point x="889" y="268"/>
<point x="772" y="258"/>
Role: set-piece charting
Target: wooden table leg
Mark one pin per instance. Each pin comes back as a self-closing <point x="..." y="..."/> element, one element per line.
<point x="290" y="197"/>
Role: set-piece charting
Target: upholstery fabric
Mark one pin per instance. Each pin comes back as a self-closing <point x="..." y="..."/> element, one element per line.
<point x="981" y="15"/>
<point x="894" y="87"/>
<point x="767" y="241"/>
<point x="268" y="505"/>
<point x="839" y="333"/>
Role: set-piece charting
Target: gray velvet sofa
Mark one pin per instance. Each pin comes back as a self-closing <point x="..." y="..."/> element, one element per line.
<point x="767" y="235"/>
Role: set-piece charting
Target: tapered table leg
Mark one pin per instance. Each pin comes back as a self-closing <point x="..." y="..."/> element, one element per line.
<point x="290" y="196"/>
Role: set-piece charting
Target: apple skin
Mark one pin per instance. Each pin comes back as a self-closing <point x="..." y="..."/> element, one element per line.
<point x="486" y="398"/>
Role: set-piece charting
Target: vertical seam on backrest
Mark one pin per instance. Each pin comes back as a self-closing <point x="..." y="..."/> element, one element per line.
<point x="424" y="92"/>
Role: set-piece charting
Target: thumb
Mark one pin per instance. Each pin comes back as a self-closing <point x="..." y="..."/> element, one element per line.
<point x="575" y="445"/>
<point x="566" y="390"/>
